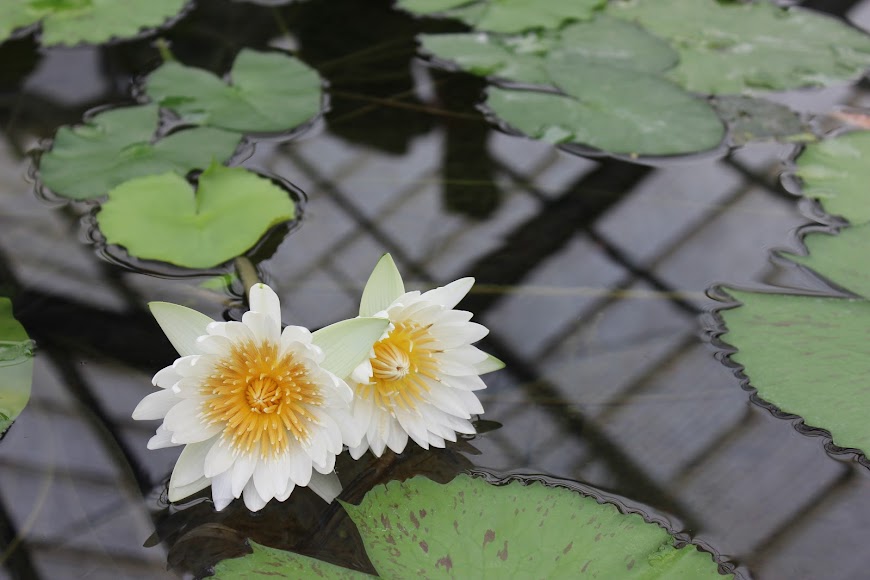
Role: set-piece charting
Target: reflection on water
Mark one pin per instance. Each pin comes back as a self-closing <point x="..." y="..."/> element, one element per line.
<point x="591" y="275"/>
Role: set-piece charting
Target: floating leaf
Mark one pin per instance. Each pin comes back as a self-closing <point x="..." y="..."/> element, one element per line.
<point x="752" y="119"/>
<point x="159" y="217"/>
<point x="267" y="92"/>
<point x="508" y="15"/>
<point x="115" y="146"/>
<point x="609" y="116"/>
<point x="731" y="47"/>
<point x="837" y="173"/>
<point x="486" y="55"/>
<point x="89" y="21"/>
<point x="471" y="529"/>
<point x="269" y="563"/>
<point x="16" y="366"/>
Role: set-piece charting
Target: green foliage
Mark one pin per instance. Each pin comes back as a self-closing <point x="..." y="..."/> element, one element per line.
<point x="732" y="47"/>
<point x="471" y="529"/>
<point x="836" y="173"/>
<point x="16" y="366"/>
<point x="87" y="161"/>
<point x="85" y="21"/>
<point x="267" y="92"/>
<point x="753" y="119"/>
<point x="159" y="217"/>
<point x="613" y="97"/>
<point x="507" y="15"/>
<point x="266" y="562"/>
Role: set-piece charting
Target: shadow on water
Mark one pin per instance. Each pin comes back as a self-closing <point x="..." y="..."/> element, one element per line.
<point x="591" y="275"/>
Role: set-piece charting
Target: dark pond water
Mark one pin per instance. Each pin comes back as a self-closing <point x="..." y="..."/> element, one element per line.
<point x="592" y="275"/>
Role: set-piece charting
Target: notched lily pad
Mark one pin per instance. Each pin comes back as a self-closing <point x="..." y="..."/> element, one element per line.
<point x="16" y="366"/>
<point x="507" y="15"/>
<point x="837" y="172"/>
<point x="85" y="21"/>
<point x="267" y="92"/>
<point x="114" y="146"/>
<point x="732" y="47"/>
<point x="160" y="217"/>
<point x="472" y="529"/>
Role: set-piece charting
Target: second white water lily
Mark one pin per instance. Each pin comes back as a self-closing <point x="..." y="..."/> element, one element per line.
<point x="420" y="379"/>
<point x="260" y="411"/>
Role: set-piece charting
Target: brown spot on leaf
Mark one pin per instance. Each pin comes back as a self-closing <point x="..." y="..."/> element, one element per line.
<point x="390" y="539"/>
<point x="597" y="537"/>
<point x="568" y="548"/>
<point x="415" y="521"/>
<point x="456" y="526"/>
<point x="424" y="546"/>
<point x="586" y="565"/>
<point x="385" y="521"/>
<point x="423" y="513"/>
<point x="630" y="565"/>
<point x="488" y="537"/>
<point x="446" y="562"/>
<point x="503" y="553"/>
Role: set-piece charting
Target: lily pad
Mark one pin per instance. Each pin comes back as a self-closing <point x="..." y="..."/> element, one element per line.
<point x="159" y="217"/>
<point x="267" y="92"/>
<point x="753" y="119"/>
<point x="85" y="21"/>
<point x="117" y="145"/>
<point x="732" y="47"/>
<point x="837" y="172"/>
<point x="508" y="15"/>
<point x="472" y="529"/>
<point x="269" y="563"/>
<point x="606" y="114"/>
<point x="16" y="366"/>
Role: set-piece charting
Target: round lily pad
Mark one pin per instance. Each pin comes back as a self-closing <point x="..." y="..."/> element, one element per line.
<point x="160" y="217"/>
<point x="267" y="92"/>
<point x="117" y="145"/>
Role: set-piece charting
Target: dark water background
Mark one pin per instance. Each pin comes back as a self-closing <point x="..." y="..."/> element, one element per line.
<point x="592" y="275"/>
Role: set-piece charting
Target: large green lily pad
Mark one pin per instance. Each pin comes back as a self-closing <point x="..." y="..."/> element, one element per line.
<point x="602" y="68"/>
<point x="16" y="366"/>
<point x="159" y="217"/>
<point x="267" y="92"/>
<point x="732" y="47"/>
<point x="508" y="15"/>
<point x="85" y="21"/>
<point x="469" y="528"/>
<point x="837" y="173"/>
<point x="117" y="145"/>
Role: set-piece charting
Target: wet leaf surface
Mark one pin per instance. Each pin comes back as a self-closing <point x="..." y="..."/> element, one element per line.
<point x="267" y="562"/>
<point x="159" y="217"/>
<point x="732" y="47"/>
<point x="508" y="15"/>
<point x="752" y="119"/>
<point x="117" y="145"/>
<point x="267" y="92"/>
<point x="85" y="21"/>
<point x="16" y="366"/>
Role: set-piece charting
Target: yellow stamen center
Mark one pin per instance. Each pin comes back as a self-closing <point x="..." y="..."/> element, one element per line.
<point x="401" y="363"/>
<point x="262" y="400"/>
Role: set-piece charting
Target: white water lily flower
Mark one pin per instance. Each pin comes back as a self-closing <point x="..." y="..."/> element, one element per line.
<point x="260" y="411"/>
<point x="420" y="379"/>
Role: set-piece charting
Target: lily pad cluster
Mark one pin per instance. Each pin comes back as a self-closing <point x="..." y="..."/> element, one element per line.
<point x="472" y="529"/>
<point x="16" y="366"/>
<point x="630" y="76"/>
<point x="85" y="21"/>
<point x="127" y="155"/>
<point x="806" y="354"/>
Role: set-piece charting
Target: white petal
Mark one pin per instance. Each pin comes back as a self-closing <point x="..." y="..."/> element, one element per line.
<point x="469" y="401"/>
<point x="299" y="466"/>
<point x="235" y="331"/>
<point x="193" y="366"/>
<point x="220" y="458"/>
<point x="326" y="486"/>
<point x="189" y="466"/>
<point x="383" y="287"/>
<point x="155" y="405"/>
<point x="165" y="378"/>
<point x="464" y="382"/>
<point x="398" y="439"/>
<point x="363" y="408"/>
<point x="455" y="335"/>
<point x="489" y="365"/>
<point x="221" y="491"/>
<point x="379" y="431"/>
<point x="347" y="343"/>
<point x="359" y="450"/>
<point x="253" y="500"/>
<point x="181" y="325"/>
<point x="454" y="316"/>
<point x="214" y="344"/>
<point x="363" y="372"/>
<point x="184" y="416"/>
<point x="293" y="336"/>
<point x="188" y="490"/>
<point x="446" y="399"/>
<point x="265" y="481"/>
<point x="243" y="469"/>
<point x="465" y="354"/>
<point x="351" y="432"/>
<point x="162" y="439"/>
<point x="414" y="427"/>
<point x="436" y="441"/>
<point x="327" y="466"/>
<point x="262" y="327"/>
<point x="264" y="300"/>
<point x="286" y="493"/>
<point x="316" y="449"/>
<point x="450" y="295"/>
